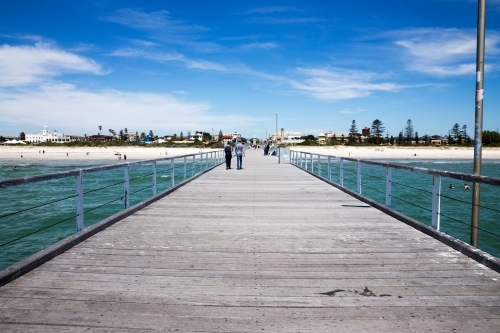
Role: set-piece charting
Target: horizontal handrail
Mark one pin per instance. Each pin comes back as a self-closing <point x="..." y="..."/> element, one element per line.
<point x="449" y="174"/>
<point x="176" y="170"/>
<point x="313" y="163"/>
<point x="63" y="174"/>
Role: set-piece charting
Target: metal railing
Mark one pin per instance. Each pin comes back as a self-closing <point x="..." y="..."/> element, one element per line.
<point x="173" y="169"/>
<point x="337" y="170"/>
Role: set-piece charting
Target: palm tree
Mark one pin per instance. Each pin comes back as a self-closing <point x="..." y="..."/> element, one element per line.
<point x="100" y="128"/>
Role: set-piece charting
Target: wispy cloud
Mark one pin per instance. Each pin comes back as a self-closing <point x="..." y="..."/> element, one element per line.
<point x="169" y="57"/>
<point x="267" y="45"/>
<point x="442" y="52"/>
<point x="161" y="27"/>
<point x="272" y="10"/>
<point x="287" y="20"/>
<point x="27" y="64"/>
<point x="153" y="21"/>
<point x="337" y="84"/>
<point x="70" y="109"/>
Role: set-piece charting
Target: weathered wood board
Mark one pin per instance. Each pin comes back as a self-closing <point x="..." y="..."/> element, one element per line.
<point x="256" y="250"/>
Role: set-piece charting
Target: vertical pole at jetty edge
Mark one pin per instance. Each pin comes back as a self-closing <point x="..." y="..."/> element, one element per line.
<point x="79" y="201"/>
<point x="126" y="186"/>
<point x="172" y="172"/>
<point x="478" y="125"/>
<point x="153" y="185"/>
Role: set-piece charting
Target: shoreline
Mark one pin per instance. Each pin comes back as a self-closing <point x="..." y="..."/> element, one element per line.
<point x="144" y="153"/>
<point x="93" y="153"/>
<point x="403" y="153"/>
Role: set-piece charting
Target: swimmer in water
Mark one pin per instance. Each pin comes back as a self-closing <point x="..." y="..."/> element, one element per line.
<point x="466" y="187"/>
<point x="451" y="186"/>
<point x="14" y="168"/>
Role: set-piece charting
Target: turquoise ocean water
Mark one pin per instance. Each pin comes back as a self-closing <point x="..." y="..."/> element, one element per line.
<point x="37" y="215"/>
<point x="20" y="235"/>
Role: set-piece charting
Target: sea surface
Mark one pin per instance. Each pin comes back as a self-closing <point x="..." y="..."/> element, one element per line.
<point x="37" y="215"/>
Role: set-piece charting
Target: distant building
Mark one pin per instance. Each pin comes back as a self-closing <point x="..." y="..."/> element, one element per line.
<point x="55" y="137"/>
<point x="100" y="137"/>
<point x="288" y="137"/>
<point x="321" y="138"/>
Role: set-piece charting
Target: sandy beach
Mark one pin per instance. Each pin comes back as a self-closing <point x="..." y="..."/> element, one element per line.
<point x="390" y="152"/>
<point x="142" y="153"/>
<point x="93" y="153"/>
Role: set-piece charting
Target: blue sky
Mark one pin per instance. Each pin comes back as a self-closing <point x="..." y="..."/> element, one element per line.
<point x="172" y="66"/>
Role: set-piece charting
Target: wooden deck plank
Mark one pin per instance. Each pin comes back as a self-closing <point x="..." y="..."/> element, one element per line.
<point x="252" y="250"/>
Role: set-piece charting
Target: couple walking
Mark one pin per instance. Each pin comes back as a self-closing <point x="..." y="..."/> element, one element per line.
<point x="240" y="152"/>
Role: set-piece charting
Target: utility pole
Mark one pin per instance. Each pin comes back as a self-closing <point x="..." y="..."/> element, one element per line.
<point x="478" y="128"/>
<point x="276" y="137"/>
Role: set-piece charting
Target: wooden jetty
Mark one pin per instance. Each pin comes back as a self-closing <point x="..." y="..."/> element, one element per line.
<point x="265" y="249"/>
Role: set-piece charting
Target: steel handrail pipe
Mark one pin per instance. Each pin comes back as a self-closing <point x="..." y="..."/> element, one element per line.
<point x="63" y="174"/>
<point x="437" y="176"/>
<point x="448" y="174"/>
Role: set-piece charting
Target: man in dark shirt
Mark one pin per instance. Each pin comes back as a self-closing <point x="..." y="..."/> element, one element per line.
<point x="228" y="152"/>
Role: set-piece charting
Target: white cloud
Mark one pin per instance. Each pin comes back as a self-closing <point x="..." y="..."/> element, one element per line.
<point x="443" y="52"/>
<point x="68" y="109"/>
<point x="21" y="65"/>
<point x="337" y="84"/>
<point x="152" y="21"/>
<point x="160" y="27"/>
<point x="268" y="45"/>
<point x="165" y="57"/>
<point x="273" y="9"/>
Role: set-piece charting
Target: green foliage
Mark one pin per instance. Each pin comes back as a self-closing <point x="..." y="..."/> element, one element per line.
<point x="353" y="131"/>
<point x="491" y="138"/>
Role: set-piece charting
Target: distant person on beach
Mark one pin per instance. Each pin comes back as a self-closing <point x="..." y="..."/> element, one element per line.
<point x="166" y="152"/>
<point x="466" y="187"/>
<point x="228" y="152"/>
<point x="125" y="157"/>
<point x="67" y="154"/>
<point x="21" y="155"/>
<point x="240" y="152"/>
<point x="43" y="151"/>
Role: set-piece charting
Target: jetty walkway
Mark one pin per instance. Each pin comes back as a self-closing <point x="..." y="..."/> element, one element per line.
<point x="266" y="249"/>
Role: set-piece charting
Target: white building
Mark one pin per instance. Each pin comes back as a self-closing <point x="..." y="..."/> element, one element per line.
<point x="45" y="136"/>
<point x="287" y="137"/>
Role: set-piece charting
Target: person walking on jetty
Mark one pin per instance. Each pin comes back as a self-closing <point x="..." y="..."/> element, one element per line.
<point x="228" y="151"/>
<point x="240" y="152"/>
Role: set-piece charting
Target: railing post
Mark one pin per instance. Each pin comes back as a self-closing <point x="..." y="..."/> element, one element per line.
<point x="154" y="177"/>
<point x="436" y="201"/>
<point x="329" y="168"/>
<point x="79" y="201"/>
<point x="193" y="165"/>
<point x="305" y="160"/>
<point x="312" y="165"/>
<point x="341" y="171"/>
<point x="185" y="167"/>
<point x="126" y="186"/>
<point x="358" y="180"/>
<point x="172" y="172"/>
<point x="319" y="165"/>
<point x="388" y="187"/>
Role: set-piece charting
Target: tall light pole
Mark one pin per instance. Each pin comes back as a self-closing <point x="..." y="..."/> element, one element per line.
<point x="276" y="137"/>
<point x="276" y="134"/>
<point x="266" y="132"/>
<point x="478" y="128"/>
